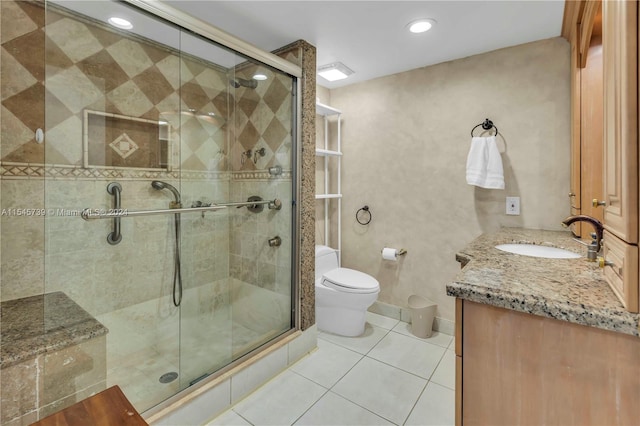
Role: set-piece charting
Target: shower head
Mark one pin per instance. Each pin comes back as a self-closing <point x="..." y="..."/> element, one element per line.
<point x="238" y="82"/>
<point x="158" y="184"/>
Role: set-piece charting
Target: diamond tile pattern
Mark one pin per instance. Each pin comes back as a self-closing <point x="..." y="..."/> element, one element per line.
<point x="70" y="65"/>
<point x="124" y="145"/>
<point x="102" y="70"/>
<point x="262" y="119"/>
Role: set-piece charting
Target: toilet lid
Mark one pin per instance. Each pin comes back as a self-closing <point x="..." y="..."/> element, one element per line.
<point x="350" y="280"/>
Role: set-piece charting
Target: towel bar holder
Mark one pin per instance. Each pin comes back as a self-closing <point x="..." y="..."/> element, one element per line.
<point x="486" y="125"/>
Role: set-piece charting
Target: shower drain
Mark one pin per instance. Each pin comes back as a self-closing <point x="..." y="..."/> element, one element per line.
<point x="168" y="377"/>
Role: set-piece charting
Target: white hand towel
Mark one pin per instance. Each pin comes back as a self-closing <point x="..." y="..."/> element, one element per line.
<point x="484" y="164"/>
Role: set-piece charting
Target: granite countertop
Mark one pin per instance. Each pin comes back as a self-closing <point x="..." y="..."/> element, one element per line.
<point x="41" y="324"/>
<point x="572" y="290"/>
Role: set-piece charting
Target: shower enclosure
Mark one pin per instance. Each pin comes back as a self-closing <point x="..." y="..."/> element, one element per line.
<point x="169" y="165"/>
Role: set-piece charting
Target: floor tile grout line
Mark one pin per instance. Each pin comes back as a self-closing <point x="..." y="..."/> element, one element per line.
<point x="341" y="346"/>
<point x="242" y="417"/>
<point x="312" y="405"/>
<point x="378" y="342"/>
<point x="330" y="390"/>
<point x="416" y="403"/>
<point x="393" y="366"/>
<point x="353" y="402"/>
<point x="425" y="340"/>
<point x="364" y="408"/>
<point x="350" y="368"/>
<point x="363" y="356"/>
<point x="419" y="339"/>
<point x="346" y="347"/>
<point x="434" y="370"/>
<point x="400" y="369"/>
<point x="396" y="368"/>
<point x="409" y="372"/>
<point x="311" y="380"/>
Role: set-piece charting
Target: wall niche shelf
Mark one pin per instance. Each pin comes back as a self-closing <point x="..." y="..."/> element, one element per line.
<point x="326" y="112"/>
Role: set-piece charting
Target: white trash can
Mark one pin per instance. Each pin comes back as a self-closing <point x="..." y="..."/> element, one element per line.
<point x="423" y="311"/>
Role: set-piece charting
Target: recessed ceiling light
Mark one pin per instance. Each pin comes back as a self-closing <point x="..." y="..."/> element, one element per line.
<point x="259" y="77"/>
<point x="335" y="71"/>
<point x="421" y="25"/>
<point x="120" y="23"/>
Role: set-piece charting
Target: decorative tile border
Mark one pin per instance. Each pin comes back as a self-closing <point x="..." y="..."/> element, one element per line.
<point x="10" y="170"/>
<point x="260" y="175"/>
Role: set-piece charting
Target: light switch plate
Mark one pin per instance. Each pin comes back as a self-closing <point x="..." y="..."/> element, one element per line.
<point x="513" y="206"/>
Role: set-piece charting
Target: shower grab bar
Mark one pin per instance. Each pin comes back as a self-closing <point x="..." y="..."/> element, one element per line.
<point x="114" y="188"/>
<point x="116" y="214"/>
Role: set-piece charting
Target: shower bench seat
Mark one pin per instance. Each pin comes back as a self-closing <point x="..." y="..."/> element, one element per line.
<point x="52" y="354"/>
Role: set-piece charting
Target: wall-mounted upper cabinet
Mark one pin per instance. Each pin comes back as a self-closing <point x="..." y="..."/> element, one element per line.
<point x="620" y="49"/>
<point x="586" y="110"/>
<point x="604" y="132"/>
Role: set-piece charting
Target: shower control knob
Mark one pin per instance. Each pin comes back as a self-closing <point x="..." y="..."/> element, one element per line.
<point x="275" y="241"/>
<point x="275" y="204"/>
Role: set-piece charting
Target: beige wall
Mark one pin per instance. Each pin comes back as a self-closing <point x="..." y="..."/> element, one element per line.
<point x="405" y="143"/>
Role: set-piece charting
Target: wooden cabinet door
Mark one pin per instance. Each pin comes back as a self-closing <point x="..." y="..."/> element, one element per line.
<point x="622" y="271"/>
<point x="522" y="369"/>
<point x="591" y="105"/>
<point x="620" y="39"/>
<point x="574" y="194"/>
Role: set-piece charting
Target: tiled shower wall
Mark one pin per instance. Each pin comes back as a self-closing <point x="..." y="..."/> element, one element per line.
<point x="93" y="68"/>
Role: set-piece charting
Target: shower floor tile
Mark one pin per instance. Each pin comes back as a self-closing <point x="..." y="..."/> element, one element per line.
<point x="136" y="365"/>
<point x="353" y="383"/>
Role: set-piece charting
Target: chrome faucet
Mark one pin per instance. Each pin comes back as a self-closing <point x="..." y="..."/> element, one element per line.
<point x="599" y="227"/>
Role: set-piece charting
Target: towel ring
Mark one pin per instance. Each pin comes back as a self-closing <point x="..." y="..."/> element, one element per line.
<point x="486" y="125"/>
<point x="366" y="221"/>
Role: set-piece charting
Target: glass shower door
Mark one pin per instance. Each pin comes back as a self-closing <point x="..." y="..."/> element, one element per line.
<point x="105" y="139"/>
<point x="157" y="118"/>
<point x="240" y="284"/>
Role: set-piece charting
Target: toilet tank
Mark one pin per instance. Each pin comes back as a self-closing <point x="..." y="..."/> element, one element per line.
<point x="326" y="260"/>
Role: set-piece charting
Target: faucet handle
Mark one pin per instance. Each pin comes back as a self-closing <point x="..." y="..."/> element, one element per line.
<point x="598" y="203"/>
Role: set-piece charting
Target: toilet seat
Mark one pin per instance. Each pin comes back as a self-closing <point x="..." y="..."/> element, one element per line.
<point x="350" y="281"/>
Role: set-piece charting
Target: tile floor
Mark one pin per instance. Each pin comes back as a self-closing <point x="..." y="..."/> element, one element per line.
<point x="385" y="377"/>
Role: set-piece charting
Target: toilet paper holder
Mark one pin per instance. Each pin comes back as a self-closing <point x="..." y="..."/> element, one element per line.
<point x="400" y="252"/>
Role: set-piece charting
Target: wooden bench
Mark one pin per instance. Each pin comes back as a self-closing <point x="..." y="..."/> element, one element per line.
<point x="107" y="408"/>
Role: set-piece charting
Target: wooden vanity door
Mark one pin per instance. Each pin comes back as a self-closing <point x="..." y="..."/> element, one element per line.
<point x="620" y="39"/>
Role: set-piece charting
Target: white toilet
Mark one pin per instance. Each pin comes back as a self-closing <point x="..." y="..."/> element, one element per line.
<point x="342" y="295"/>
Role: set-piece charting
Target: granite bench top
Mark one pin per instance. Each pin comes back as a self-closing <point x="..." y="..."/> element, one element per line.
<point x="41" y="324"/>
<point x="572" y="290"/>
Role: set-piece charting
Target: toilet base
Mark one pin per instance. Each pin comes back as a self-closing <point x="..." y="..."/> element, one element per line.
<point x="341" y="321"/>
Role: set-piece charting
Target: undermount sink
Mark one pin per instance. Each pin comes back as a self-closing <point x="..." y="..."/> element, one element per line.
<point x="535" y="250"/>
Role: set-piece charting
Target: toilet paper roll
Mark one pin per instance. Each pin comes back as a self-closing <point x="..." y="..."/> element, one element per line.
<point x="389" y="254"/>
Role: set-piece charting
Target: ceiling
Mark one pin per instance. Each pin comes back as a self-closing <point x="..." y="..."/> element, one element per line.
<point x="370" y="36"/>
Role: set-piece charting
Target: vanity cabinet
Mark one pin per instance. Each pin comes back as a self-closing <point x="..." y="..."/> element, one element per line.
<point x="514" y="368"/>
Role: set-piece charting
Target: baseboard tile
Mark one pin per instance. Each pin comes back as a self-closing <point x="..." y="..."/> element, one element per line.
<point x="441" y="325"/>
